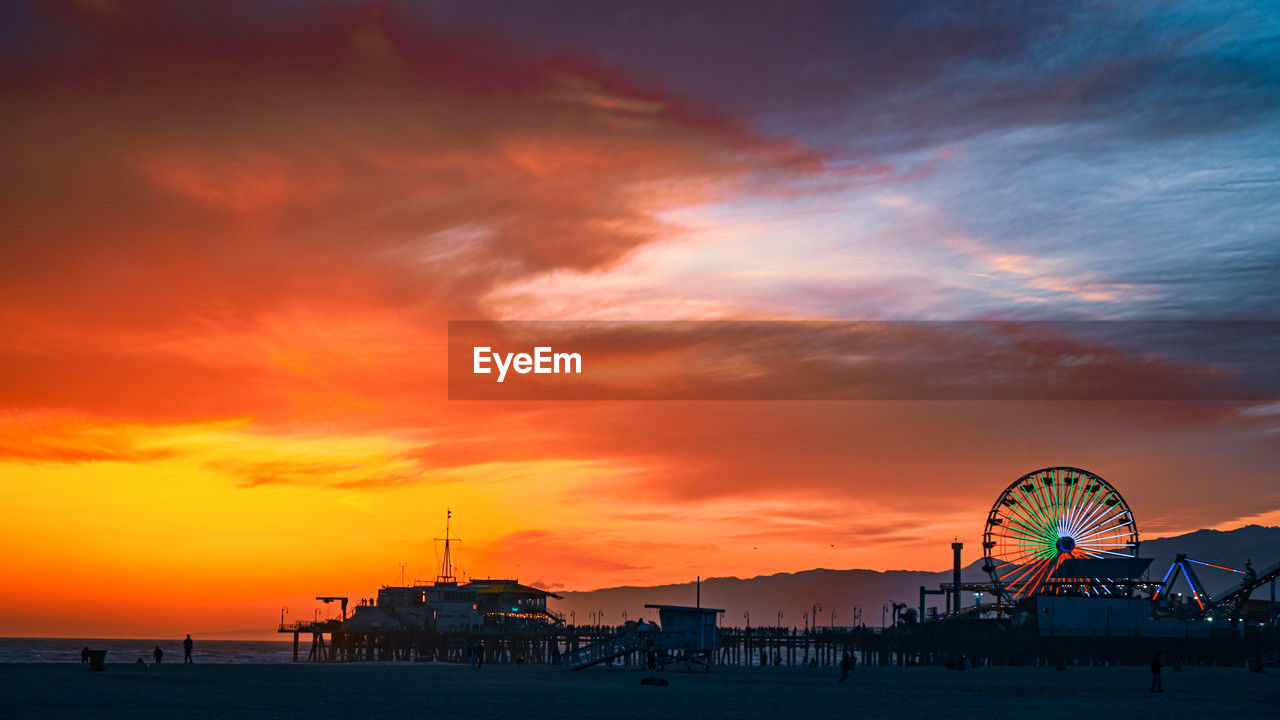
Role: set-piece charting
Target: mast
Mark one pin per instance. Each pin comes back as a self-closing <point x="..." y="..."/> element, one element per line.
<point x="446" y="563"/>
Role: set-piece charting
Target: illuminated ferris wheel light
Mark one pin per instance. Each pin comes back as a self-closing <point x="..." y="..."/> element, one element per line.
<point x="1048" y="517"/>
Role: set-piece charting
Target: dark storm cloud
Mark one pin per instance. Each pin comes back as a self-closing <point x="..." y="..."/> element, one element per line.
<point x="1124" y="151"/>
<point x="895" y="76"/>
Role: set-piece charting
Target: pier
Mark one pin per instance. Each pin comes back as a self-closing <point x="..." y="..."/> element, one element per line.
<point x="1067" y="585"/>
<point x="975" y="643"/>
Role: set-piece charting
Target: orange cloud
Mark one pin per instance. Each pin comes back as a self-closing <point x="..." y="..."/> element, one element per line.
<point x="370" y="177"/>
<point x="50" y="438"/>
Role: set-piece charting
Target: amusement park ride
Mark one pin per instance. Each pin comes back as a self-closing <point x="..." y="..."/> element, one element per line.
<point x="1065" y="531"/>
<point x="1059" y="531"/>
<point x="1233" y="601"/>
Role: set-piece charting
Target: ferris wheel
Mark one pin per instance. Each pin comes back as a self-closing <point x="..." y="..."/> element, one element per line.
<point x="1047" y="518"/>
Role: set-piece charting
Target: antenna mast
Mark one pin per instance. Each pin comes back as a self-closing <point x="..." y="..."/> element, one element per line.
<point x="446" y="564"/>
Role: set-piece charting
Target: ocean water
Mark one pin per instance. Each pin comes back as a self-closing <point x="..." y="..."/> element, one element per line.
<point x="58" y="650"/>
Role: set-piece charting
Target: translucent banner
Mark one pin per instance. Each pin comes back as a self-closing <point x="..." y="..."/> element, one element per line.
<point x="983" y="360"/>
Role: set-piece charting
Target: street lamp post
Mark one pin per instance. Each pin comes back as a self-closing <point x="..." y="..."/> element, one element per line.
<point x="779" y="619"/>
<point x="817" y="608"/>
<point x="857" y="615"/>
<point x="883" y="611"/>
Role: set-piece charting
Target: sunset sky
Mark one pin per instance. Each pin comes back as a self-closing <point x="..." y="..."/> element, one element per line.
<point x="234" y="234"/>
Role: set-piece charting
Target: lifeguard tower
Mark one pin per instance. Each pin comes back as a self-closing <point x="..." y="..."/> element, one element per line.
<point x="688" y="635"/>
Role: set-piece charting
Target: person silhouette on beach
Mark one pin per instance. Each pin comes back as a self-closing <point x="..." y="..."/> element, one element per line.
<point x="479" y="655"/>
<point x="846" y="665"/>
<point x="158" y="654"/>
<point x="84" y="655"/>
<point x="1156" y="684"/>
<point x="187" y="647"/>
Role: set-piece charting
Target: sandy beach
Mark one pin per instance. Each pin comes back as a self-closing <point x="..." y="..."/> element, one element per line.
<point x="406" y="690"/>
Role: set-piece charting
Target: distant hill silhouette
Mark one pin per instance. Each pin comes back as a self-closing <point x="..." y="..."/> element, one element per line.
<point x="840" y="590"/>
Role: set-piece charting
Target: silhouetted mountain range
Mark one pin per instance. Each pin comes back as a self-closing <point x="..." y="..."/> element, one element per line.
<point x="794" y="594"/>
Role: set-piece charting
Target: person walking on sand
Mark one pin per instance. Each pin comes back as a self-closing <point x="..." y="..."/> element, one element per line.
<point x="84" y="654"/>
<point x="158" y="654"/>
<point x="187" y="647"/>
<point x="1156" y="684"/>
<point x="846" y="665"/>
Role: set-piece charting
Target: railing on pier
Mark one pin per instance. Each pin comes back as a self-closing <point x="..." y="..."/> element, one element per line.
<point x="602" y="651"/>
